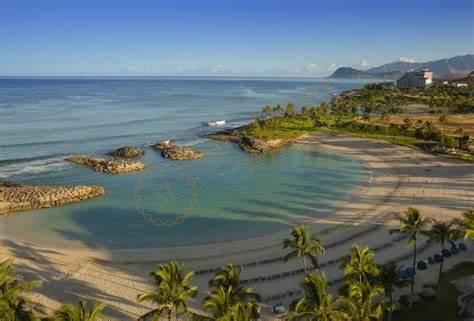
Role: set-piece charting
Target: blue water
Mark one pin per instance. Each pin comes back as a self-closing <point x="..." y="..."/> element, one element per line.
<point x="227" y="195"/>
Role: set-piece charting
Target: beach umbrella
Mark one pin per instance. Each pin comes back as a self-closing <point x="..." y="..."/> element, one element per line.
<point x="438" y="258"/>
<point x="446" y="253"/>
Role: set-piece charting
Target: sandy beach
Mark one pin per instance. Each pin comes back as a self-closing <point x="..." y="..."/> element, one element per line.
<point x="396" y="177"/>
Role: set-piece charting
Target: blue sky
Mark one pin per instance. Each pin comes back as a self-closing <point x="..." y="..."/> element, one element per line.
<point x="226" y="37"/>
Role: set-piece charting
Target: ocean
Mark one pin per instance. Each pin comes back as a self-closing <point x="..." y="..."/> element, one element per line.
<point x="227" y="195"/>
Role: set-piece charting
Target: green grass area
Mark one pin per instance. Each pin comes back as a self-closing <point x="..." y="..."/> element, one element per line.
<point x="294" y="128"/>
<point x="447" y="308"/>
<point x="401" y="140"/>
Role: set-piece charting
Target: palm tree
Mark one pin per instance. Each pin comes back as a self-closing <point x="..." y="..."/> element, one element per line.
<point x="173" y="291"/>
<point x="79" y="312"/>
<point x="13" y="303"/>
<point x="467" y="223"/>
<point x="359" y="265"/>
<point x="389" y="278"/>
<point x="229" y="297"/>
<point x="412" y="222"/>
<point x="442" y="232"/>
<point x="317" y="304"/>
<point x="303" y="245"/>
<point x="363" y="302"/>
<point x="228" y="276"/>
<point x="266" y="112"/>
<point x="241" y="312"/>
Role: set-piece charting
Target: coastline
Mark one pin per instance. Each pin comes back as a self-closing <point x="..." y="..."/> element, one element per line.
<point x="355" y="192"/>
<point x="401" y="177"/>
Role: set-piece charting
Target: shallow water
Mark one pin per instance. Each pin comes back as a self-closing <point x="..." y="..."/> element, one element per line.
<point x="227" y="195"/>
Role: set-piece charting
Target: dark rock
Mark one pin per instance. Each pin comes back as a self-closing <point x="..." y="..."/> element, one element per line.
<point x="127" y="152"/>
<point x="175" y="152"/>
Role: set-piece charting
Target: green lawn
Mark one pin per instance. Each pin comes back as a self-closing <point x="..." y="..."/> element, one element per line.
<point x="447" y="308"/>
<point x="404" y="141"/>
<point x="294" y="128"/>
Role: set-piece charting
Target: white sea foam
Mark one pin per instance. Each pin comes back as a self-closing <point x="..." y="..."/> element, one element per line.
<point x="32" y="167"/>
<point x="217" y="123"/>
<point x="193" y="142"/>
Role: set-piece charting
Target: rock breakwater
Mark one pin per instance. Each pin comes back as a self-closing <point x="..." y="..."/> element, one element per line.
<point x="114" y="166"/>
<point x="22" y="197"/>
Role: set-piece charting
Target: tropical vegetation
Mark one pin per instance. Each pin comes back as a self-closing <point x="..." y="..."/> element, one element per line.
<point x="367" y="291"/>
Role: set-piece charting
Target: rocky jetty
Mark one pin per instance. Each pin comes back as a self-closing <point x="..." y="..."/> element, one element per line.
<point x="254" y="145"/>
<point x="114" y="166"/>
<point x="126" y="152"/>
<point x="175" y="152"/>
<point x="21" y="197"/>
<point x="225" y="137"/>
<point x="228" y="135"/>
<point x="250" y="144"/>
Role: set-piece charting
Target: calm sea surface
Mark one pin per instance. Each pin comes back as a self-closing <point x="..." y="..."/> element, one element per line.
<point x="227" y="195"/>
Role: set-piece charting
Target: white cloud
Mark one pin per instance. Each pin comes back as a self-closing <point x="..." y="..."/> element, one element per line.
<point x="405" y="59"/>
<point x="311" y="68"/>
<point x="332" y="66"/>
<point x="364" y="63"/>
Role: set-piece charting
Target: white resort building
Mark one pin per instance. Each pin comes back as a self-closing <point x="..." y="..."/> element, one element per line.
<point x="415" y="79"/>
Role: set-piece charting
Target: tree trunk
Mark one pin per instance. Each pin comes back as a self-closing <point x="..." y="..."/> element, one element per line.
<point x="390" y="299"/>
<point x="412" y="285"/>
<point x="439" y="275"/>
<point x="304" y="264"/>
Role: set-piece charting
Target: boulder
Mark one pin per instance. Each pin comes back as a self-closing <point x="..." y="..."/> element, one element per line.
<point x="115" y="165"/>
<point x="175" y="152"/>
<point x="127" y="152"/>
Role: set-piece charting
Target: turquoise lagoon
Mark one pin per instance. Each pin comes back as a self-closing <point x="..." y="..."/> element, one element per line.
<point x="227" y="195"/>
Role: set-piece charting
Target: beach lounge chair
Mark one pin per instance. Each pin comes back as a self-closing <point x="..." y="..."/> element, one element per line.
<point x="431" y="260"/>
<point x="454" y="251"/>
<point x="415" y="298"/>
<point x="462" y="246"/>
<point x="428" y="292"/>
<point x="279" y="308"/>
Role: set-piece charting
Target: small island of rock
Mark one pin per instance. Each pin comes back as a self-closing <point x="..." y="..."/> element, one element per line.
<point x="175" y="152"/>
<point x="126" y="152"/>
<point x="248" y="143"/>
<point x="102" y="165"/>
<point x="254" y="145"/>
<point x="22" y="197"/>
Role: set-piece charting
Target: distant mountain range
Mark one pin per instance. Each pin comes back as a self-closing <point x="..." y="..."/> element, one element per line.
<point x="442" y="68"/>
